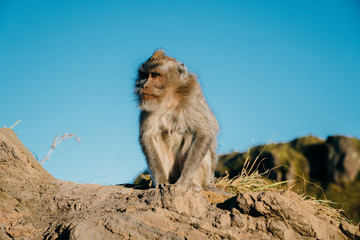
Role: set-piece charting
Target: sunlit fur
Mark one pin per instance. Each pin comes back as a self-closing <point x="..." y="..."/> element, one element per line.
<point x="177" y="128"/>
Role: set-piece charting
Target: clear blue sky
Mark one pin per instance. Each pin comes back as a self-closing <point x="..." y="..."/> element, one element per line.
<point x="290" y="68"/>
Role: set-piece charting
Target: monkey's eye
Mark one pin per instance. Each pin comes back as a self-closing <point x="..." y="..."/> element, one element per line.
<point x="154" y="75"/>
<point x="142" y="75"/>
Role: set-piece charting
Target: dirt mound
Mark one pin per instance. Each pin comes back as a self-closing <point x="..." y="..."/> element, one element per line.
<point x="34" y="205"/>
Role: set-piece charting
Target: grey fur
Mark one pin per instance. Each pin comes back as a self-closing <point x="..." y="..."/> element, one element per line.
<point x="177" y="128"/>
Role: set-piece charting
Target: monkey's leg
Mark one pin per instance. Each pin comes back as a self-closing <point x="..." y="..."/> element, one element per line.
<point x="152" y="153"/>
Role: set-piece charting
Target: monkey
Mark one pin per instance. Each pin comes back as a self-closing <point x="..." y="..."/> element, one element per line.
<point x="177" y="130"/>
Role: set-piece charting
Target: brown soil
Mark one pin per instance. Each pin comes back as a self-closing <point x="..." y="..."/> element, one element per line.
<point x="35" y="205"/>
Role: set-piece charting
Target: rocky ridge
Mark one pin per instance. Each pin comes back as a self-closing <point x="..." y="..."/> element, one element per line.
<point x="34" y="205"/>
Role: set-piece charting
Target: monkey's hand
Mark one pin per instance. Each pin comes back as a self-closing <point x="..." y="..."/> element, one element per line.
<point x="162" y="185"/>
<point x="161" y="180"/>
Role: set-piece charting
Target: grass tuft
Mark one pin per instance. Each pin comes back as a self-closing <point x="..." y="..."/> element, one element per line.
<point x="250" y="180"/>
<point x="322" y="207"/>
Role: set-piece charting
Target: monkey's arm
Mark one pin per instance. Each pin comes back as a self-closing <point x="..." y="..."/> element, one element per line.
<point x="153" y="159"/>
<point x="199" y="147"/>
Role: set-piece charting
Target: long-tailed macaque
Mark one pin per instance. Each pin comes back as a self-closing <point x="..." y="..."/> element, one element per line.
<point x="177" y="128"/>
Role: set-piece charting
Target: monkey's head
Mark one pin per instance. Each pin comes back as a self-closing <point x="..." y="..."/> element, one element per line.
<point x="161" y="80"/>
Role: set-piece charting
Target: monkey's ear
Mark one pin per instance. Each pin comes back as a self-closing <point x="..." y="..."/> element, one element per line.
<point x="182" y="68"/>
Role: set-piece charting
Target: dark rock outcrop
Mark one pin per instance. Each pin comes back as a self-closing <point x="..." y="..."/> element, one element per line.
<point x="333" y="164"/>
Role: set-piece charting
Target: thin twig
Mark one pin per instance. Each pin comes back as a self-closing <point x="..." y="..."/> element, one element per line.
<point x="56" y="142"/>
<point x="15" y="124"/>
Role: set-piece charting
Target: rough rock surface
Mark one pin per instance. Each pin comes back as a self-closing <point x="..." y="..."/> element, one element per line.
<point x="34" y="205"/>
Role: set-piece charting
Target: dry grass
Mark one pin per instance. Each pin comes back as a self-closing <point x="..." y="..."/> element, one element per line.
<point x="248" y="183"/>
<point x="255" y="182"/>
<point x="56" y="142"/>
<point x="15" y="124"/>
<point x="322" y="207"/>
<point x="250" y="180"/>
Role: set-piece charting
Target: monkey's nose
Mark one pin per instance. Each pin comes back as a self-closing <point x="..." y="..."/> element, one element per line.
<point x="144" y="86"/>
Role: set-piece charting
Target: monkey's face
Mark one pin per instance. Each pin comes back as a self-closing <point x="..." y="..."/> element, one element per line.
<point x="151" y="84"/>
<point x="159" y="82"/>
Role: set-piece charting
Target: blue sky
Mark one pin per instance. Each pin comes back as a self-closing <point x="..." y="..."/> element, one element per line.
<point x="289" y="68"/>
